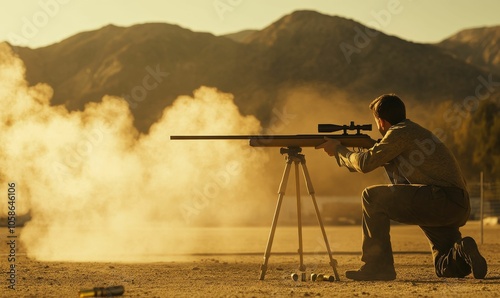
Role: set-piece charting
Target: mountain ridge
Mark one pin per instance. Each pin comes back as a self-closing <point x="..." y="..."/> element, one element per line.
<point x="308" y="48"/>
<point x="478" y="46"/>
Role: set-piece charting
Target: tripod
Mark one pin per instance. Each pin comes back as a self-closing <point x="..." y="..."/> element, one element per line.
<point x="293" y="156"/>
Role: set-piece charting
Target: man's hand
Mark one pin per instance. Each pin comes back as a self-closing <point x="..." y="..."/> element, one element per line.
<point x="330" y="146"/>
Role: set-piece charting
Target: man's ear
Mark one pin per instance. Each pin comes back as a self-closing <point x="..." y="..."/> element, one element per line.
<point x="381" y="122"/>
<point x="384" y="123"/>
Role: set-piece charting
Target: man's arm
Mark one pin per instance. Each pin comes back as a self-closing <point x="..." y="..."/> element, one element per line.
<point x="380" y="154"/>
<point x="332" y="148"/>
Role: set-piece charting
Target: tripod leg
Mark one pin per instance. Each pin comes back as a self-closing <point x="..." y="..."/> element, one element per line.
<point x="281" y="193"/>
<point x="311" y="191"/>
<point x="302" y="267"/>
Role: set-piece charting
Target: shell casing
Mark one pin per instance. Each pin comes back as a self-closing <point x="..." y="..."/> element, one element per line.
<point x="102" y="292"/>
<point x="329" y="278"/>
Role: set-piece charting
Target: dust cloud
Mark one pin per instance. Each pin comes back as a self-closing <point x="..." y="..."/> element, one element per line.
<point x="98" y="190"/>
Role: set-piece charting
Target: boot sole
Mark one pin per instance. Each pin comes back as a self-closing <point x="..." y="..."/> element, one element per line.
<point x="476" y="261"/>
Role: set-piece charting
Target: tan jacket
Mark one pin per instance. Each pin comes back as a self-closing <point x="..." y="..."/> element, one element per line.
<point x="410" y="154"/>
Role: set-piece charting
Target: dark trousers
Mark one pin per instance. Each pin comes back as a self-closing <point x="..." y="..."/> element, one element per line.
<point x="438" y="211"/>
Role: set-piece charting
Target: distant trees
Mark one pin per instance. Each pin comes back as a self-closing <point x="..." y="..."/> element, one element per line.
<point x="476" y="141"/>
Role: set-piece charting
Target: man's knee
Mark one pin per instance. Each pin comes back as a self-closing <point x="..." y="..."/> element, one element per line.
<point x="377" y="199"/>
<point x="370" y="193"/>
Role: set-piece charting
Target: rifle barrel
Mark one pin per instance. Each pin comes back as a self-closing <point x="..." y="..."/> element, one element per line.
<point x="300" y="140"/>
<point x="214" y="137"/>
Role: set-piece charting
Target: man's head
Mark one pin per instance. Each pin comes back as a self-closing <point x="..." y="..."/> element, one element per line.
<point x="388" y="109"/>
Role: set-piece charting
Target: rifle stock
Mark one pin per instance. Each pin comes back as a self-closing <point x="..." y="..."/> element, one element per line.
<point x="300" y="140"/>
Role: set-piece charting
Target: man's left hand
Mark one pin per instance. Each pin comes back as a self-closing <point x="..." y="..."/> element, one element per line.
<point x="330" y="146"/>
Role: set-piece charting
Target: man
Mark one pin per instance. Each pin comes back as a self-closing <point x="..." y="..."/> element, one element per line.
<point x="428" y="190"/>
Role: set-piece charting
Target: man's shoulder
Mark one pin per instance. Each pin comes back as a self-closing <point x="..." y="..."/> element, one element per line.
<point x="407" y="131"/>
<point x="407" y="126"/>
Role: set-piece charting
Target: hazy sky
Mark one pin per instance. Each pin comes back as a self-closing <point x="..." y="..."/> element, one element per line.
<point x="43" y="22"/>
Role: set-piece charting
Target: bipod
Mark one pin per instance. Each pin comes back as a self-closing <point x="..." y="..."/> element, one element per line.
<point x="293" y="155"/>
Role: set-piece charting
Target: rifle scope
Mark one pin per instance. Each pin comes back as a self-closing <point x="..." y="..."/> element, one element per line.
<point x="345" y="128"/>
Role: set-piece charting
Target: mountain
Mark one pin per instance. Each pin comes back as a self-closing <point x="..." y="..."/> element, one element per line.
<point x="478" y="46"/>
<point x="345" y="54"/>
<point x="240" y="36"/>
<point x="151" y="64"/>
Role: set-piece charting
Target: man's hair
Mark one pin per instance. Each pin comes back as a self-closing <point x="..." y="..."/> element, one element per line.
<point x="389" y="107"/>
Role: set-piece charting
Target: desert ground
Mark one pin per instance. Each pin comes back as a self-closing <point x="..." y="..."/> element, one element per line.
<point x="217" y="272"/>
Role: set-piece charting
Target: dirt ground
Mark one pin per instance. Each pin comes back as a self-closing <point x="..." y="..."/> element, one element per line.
<point x="237" y="275"/>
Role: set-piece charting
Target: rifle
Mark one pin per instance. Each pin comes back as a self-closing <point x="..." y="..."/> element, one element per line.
<point x="356" y="140"/>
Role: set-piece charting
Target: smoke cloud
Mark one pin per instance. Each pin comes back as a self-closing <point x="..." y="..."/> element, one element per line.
<point x="100" y="190"/>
